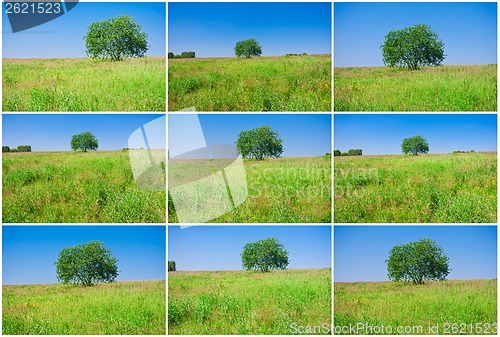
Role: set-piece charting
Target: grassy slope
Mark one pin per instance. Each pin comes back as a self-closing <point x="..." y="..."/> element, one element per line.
<point x="123" y="308"/>
<point x="75" y="187"/>
<point x="469" y="302"/>
<point x="447" y="88"/>
<point x="256" y="84"/>
<point x="454" y="188"/>
<point x="283" y="190"/>
<point x="83" y="85"/>
<point x="240" y="302"/>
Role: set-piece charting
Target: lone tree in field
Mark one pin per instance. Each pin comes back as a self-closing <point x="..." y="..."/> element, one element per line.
<point x="84" y="141"/>
<point x="264" y="255"/>
<point x="247" y="48"/>
<point x="172" y="266"/>
<point x="259" y="143"/>
<point x="417" y="262"/>
<point x="415" y="145"/>
<point x="86" y="264"/>
<point x="413" y="47"/>
<point x="115" y="39"/>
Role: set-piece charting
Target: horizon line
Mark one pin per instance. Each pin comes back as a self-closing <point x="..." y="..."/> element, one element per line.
<point x="76" y="284"/>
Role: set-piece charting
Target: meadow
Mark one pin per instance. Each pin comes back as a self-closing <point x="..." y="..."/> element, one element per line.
<point x="445" y="88"/>
<point x="84" y="85"/>
<point x="243" y="303"/>
<point x="447" y="188"/>
<point x="454" y="307"/>
<point x="120" y="308"/>
<point x="280" y="190"/>
<point x="288" y="83"/>
<point x="76" y="187"/>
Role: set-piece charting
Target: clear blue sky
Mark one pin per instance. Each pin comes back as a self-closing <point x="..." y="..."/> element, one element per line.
<point x="302" y="134"/>
<point x="29" y="252"/>
<point x="360" y="251"/>
<point x="199" y="248"/>
<point x="212" y="29"/>
<point x="468" y="30"/>
<point x="383" y="134"/>
<point x="64" y="36"/>
<point x="53" y="132"/>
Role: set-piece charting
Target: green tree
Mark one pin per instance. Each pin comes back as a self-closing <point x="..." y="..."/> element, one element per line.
<point x="188" y="54"/>
<point x="415" y="145"/>
<point x="5" y="148"/>
<point x="247" y="48"/>
<point x="86" y="264"/>
<point x="264" y="255"/>
<point x="355" y="152"/>
<point x="413" y="47"/>
<point x="116" y="39"/>
<point x="417" y="262"/>
<point x="172" y="266"/>
<point x="24" y="148"/>
<point x="84" y="141"/>
<point x="170" y="55"/>
<point x="259" y="143"/>
<point x="336" y="153"/>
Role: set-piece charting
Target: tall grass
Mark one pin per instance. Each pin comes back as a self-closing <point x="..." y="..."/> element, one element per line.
<point x="75" y="187"/>
<point x="83" y="85"/>
<point x="257" y="84"/>
<point x="123" y="308"/>
<point x="464" y="305"/>
<point x="243" y="303"/>
<point x="447" y="88"/>
<point x="454" y="188"/>
<point x="282" y="190"/>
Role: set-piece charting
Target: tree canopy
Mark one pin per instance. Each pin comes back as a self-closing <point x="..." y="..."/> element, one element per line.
<point x="417" y="262"/>
<point x="259" y="143"/>
<point x="116" y="38"/>
<point x="84" y="141"/>
<point x="413" y="47"/>
<point x="264" y="255"/>
<point x="86" y="264"/>
<point x="247" y="48"/>
<point x="415" y="145"/>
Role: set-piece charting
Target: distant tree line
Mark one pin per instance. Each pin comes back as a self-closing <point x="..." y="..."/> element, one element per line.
<point x="20" y="148"/>
<point x="351" y="152"/>
<point x="183" y="55"/>
<point x="292" y="54"/>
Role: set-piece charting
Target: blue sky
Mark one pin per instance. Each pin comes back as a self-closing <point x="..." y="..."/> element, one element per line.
<point x="302" y="134"/>
<point x="29" y="252"/>
<point x="383" y="134"/>
<point x="360" y="251"/>
<point x="212" y="29"/>
<point x="64" y="36"/>
<point x="219" y="247"/>
<point x="468" y="30"/>
<point x="53" y="132"/>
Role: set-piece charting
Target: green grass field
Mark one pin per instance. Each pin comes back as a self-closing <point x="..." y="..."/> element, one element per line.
<point x="449" y="188"/>
<point x="297" y="83"/>
<point x="455" y="307"/>
<point x="122" y="308"/>
<point x="83" y="85"/>
<point x="446" y="88"/>
<point x="242" y="303"/>
<point x="281" y="190"/>
<point x="75" y="187"/>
